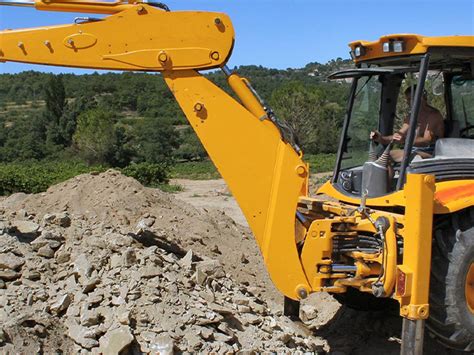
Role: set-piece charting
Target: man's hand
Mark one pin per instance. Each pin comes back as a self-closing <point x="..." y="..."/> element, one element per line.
<point x="397" y="137"/>
<point x="375" y="136"/>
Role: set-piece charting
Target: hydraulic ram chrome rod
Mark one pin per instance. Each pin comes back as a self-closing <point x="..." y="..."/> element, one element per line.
<point x="23" y="3"/>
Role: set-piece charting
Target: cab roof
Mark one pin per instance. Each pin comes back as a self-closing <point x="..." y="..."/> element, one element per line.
<point x="402" y="49"/>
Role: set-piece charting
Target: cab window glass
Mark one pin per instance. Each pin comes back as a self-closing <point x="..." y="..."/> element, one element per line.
<point x="364" y="118"/>
<point x="462" y="93"/>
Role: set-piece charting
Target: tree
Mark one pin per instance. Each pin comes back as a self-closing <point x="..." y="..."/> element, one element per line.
<point x="298" y="106"/>
<point x="315" y="117"/>
<point x="68" y="120"/>
<point x="95" y="136"/>
<point x="155" y="140"/>
<point x="55" y="97"/>
<point x="190" y="147"/>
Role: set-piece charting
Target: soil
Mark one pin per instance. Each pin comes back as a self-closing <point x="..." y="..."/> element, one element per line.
<point x="109" y="216"/>
<point x="343" y="329"/>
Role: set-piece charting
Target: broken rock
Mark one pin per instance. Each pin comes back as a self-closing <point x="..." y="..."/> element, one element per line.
<point x="116" y="340"/>
<point x="9" y="275"/>
<point x="26" y="227"/>
<point x="62" y="219"/>
<point x="83" y="336"/>
<point x="151" y="271"/>
<point x="10" y="261"/>
<point x="82" y="266"/>
<point x="163" y="345"/>
<point x="46" y="251"/>
<point x="61" y="304"/>
<point x="308" y="313"/>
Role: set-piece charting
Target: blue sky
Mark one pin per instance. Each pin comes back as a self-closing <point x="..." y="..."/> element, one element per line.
<point x="292" y="33"/>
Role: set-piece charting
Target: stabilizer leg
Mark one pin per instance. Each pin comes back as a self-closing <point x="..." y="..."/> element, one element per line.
<point x="412" y="337"/>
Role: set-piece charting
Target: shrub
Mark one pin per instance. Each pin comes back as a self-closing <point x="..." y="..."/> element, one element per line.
<point x="148" y="174"/>
<point x="34" y="177"/>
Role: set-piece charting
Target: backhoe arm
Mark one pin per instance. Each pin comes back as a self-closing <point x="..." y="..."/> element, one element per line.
<point x="263" y="170"/>
<point x="136" y="37"/>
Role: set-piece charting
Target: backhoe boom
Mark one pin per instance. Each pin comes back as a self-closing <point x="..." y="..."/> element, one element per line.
<point x="249" y="150"/>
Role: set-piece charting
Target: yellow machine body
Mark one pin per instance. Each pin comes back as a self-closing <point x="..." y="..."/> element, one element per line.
<point x="265" y="173"/>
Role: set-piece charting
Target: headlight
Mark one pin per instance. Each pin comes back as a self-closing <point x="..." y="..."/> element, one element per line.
<point x="393" y="46"/>
<point x="359" y="51"/>
<point x="398" y="46"/>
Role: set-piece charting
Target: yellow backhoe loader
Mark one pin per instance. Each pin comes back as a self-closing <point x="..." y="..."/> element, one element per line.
<point x="379" y="231"/>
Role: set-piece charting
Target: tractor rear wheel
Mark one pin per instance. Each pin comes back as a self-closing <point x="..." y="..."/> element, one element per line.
<point x="451" y="318"/>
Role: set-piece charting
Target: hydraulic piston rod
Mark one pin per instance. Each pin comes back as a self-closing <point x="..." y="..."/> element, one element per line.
<point x="95" y="7"/>
<point x="23" y="3"/>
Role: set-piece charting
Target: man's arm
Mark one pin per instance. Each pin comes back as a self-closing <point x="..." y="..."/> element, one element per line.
<point x="434" y="130"/>
<point x="397" y="137"/>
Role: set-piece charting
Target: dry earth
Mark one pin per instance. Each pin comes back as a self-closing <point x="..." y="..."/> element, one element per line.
<point x="101" y="264"/>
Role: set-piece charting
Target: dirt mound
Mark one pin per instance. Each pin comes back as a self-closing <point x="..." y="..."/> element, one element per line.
<point x="121" y="204"/>
<point x="101" y="263"/>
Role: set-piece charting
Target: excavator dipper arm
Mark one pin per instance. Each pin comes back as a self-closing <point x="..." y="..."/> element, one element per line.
<point x="264" y="172"/>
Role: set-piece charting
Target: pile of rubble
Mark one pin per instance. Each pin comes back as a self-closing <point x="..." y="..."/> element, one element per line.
<point x="78" y="274"/>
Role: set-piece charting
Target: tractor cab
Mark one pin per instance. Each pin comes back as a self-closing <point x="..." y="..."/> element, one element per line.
<point x="397" y="80"/>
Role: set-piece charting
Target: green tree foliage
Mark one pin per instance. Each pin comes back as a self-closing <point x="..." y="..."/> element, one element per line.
<point x="190" y="147"/>
<point x="132" y="118"/>
<point x="55" y="97"/>
<point x="298" y="105"/>
<point x="148" y="174"/>
<point x="315" y="120"/>
<point x="23" y="138"/>
<point x="155" y="140"/>
<point x="34" y="177"/>
<point x="95" y="136"/>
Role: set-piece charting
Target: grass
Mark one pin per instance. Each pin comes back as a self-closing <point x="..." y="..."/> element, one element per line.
<point x="205" y="170"/>
<point x="194" y="170"/>
<point x="320" y="163"/>
<point x="171" y="188"/>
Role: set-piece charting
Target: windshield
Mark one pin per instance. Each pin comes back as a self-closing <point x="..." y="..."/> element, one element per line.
<point x="364" y="118"/>
<point x="462" y="91"/>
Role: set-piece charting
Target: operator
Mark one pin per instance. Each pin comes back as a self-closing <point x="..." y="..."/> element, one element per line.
<point x="430" y="128"/>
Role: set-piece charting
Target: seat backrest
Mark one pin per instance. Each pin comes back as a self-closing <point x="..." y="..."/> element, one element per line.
<point x="454" y="148"/>
<point x="452" y="128"/>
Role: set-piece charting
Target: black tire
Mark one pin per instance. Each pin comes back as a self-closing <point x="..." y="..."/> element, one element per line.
<point x="451" y="322"/>
<point x="363" y="301"/>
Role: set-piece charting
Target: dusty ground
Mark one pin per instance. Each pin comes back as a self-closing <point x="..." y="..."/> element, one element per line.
<point x="210" y="194"/>
<point x="100" y="257"/>
<point x="343" y="329"/>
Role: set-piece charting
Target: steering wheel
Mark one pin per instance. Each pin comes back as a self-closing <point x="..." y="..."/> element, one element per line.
<point x="466" y="129"/>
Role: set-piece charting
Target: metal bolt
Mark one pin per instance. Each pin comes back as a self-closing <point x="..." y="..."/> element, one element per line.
<point x="140" y="9"/>
<point x="20" y="45"/>
<point x="217" y="21"/>
<point x="162" y="57"/>
<point x="429" y="179"/>
<point x="215" y="55"/>
<point x="383" y="223"/>
<point x="198" y="107"/>
<point x="47" y="43"/>
<point x="70" y="41"/>
<point x="301" y="170"/>
<point x="302" y="293"/>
